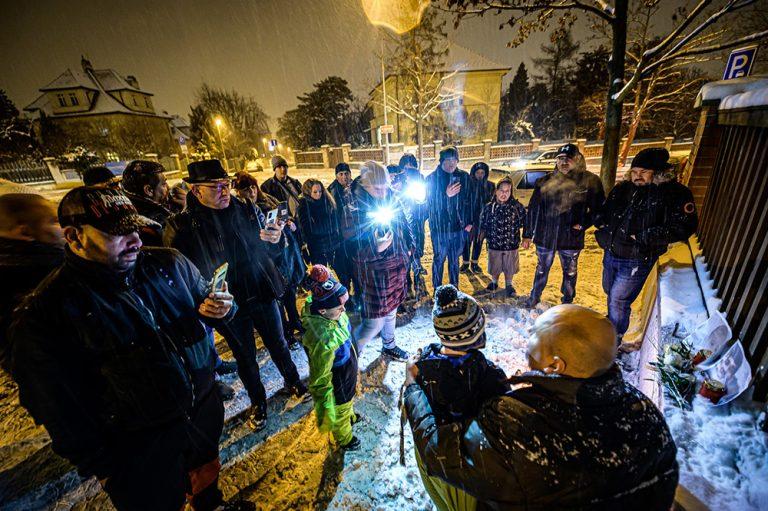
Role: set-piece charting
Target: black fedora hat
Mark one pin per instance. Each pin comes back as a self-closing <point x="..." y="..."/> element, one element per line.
<point x="204" y="171"/>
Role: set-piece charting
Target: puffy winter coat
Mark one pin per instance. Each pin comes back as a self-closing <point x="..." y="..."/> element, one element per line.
<point x="150" y="237"/>
<point x="638" y="222"/>
<point x="319" y="225"/>
<point x="555" y="443"/>
<point x="97" y="354"/>
<point x="447" y="214"/>
<point x="284" y="191"/>
<point x="500" y="224"/>
<point x="210" y="237"/>
<point x="480" y="193"/>
<point x="560" y="201"/>
<point x="382" y="276"/>
<point x="457" y="386"/>
<point x="332" y="363"/>
<point x="23" y="265"/>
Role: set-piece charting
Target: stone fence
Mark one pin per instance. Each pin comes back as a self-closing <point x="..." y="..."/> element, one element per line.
<point x="488" y="151"/>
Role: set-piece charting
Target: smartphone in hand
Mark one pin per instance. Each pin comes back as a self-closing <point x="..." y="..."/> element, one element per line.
<point x="272" y="216"/>
<point x="219" y="277"/>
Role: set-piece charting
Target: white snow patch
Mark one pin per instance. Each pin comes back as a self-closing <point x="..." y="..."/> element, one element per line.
<point x="722" y="89"/>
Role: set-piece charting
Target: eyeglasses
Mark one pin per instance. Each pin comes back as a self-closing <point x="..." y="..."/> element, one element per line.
<point x="220" y="187"/>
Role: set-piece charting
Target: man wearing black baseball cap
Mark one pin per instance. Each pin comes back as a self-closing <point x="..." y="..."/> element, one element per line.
<point x="561" y="209"/>
<point x="637" y="223"/>
<point x="215" y="229"/>
<point x="110" y="356"/>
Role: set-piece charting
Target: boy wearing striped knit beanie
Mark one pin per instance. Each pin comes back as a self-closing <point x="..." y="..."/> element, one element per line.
<point x="455" y="375"/>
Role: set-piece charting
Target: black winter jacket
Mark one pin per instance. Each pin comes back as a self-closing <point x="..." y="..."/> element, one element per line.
<point x="555" y="443"/>
<point x="480" y="193"/>
<point x="291" y="263"/>
<point x="284" y="191"/>
<point x="447" y="214"/>
<point x="211" y="237"/>
<point x="560" y="201"/>
<point x="150" y="237"/>
<point x="656" y="215"/>
<point x="319" y="225"/>
<point x="500" y="224"/>
<point x="97" y="354"/>
<point x="457" y="386"/>
<point x="23" y="265"/>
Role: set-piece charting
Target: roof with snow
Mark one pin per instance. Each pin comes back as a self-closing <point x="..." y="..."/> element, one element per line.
<point x="746" y="92"/>
<point x="101" y="82"/>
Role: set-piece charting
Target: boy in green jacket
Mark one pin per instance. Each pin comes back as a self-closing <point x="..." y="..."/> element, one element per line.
<point x="332" y="358"/>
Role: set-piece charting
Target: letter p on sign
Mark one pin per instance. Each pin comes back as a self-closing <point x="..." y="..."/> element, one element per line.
<point x="740" y="62"/>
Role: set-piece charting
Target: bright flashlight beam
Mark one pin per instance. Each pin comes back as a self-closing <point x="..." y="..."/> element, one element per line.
<point x="382" y="216"/>
<point x="417" y="192"/>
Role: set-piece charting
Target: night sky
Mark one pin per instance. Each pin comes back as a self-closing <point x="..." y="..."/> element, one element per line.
<point x="273" y="50"/>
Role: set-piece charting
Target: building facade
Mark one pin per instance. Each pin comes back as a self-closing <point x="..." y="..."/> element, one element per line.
<point x="472" y="114"/>
<point x="102" y="111"/>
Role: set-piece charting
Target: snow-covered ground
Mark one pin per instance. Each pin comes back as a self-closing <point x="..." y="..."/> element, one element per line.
<point x="291" y="465"/>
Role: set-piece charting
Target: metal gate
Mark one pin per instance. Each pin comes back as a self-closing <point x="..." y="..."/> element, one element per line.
<point x="733" y="233"/>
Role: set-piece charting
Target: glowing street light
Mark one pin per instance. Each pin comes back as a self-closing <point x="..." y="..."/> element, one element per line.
<point x="218" y="121"/>
<point x="397" y="15"/>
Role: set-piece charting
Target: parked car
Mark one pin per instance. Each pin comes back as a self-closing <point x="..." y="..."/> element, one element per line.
<point x="533" y="161"/>
<point x="523" y="181"/>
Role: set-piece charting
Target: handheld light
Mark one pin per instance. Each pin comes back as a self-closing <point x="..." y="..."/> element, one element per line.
<point x="417" y="192"/>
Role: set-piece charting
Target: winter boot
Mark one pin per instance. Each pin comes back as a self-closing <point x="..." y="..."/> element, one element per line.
<point x="492" y="287"/>
<point x="299" y="390"/>
<point x="395" y="353"/>
<point x="530" y="302"/>
<point x="226" y="367"/>
<point x="352" y="445"/>
<point x="225" y="391"/>
<point x="464" y="268"/>
<point x="511" y="293"/>
<point x="257" y="418"/>
<point x="475" y="267"/>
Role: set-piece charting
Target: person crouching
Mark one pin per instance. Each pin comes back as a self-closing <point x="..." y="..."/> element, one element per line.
<point x="454" y="374"/>
<point x="332" y="357"/>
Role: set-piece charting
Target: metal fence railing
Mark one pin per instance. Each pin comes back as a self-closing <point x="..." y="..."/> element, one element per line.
<point x="25" y="171"/>
<point x="733" y="233"/>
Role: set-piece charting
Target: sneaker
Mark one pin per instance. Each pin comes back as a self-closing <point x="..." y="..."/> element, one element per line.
<point x="257" y="418"/>
<point x="511" y="293"/>
<point x="395" y="353"/>
<point x="226" y="367"/>
<point x="225" y="391"/>
<point x="464" y="268"/>
<point x="352" y="445"/>
<point x="492" y="287"/>
<point x="475" y="268"/>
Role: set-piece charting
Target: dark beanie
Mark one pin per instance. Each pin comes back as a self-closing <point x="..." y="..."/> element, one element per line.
<point x="278" y="161"/>
<point x="97" y="176"/>
<point x="449" y="152"/>
<point x="653" y="158"/>
<point x="326" y="291"/>
<point x="459" y="321"/>
<point x="343" y="167"/>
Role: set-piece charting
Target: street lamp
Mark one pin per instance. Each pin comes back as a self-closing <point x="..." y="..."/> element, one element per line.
<point x="218" y="122"/>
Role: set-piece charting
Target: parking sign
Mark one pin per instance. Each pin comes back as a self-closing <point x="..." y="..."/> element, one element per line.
<point x="273" y="144"/>
<point x="740" y="62"/>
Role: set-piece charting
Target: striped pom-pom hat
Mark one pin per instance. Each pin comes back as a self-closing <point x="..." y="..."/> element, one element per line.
<point x="459" y="321"/>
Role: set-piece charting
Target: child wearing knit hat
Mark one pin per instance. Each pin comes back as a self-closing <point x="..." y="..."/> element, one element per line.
<point x="332" y="358"/>
<point x="455" y="375"/>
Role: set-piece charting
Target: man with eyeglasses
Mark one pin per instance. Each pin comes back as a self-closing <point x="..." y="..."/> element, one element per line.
<point x="213" y="230"/>
<point x="562" y="207"/>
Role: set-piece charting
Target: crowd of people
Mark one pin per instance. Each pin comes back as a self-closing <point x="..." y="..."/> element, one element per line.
<point x="113" y="298"/>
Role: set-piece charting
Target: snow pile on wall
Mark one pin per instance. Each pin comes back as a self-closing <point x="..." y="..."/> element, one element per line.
<point x="735" y="93"/>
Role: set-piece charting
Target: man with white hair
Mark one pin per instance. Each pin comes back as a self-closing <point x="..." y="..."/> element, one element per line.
<point x="572" y="435"/>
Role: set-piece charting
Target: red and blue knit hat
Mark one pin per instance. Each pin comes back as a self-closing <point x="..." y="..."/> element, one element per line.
<point x="326" y="290"/>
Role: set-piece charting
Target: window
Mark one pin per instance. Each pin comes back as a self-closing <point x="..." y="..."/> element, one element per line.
<point x="146" y="102"/>
<point x="135" y="101"/>
<point x="62" y="99"/>
<point x="73" y="99"/>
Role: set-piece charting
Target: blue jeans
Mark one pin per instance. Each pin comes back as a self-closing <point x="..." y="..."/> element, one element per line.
<point x="446" y="245"/>
<point x="623" y="280"/>
<point x="569" y="260"/>
<point x="371" y="327"/>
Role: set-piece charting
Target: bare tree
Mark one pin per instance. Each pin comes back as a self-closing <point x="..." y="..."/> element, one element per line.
<point x="415" y="58"/>
<point x="677" y="45"/>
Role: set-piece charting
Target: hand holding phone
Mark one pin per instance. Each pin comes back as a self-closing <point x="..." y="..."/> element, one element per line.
<point x="219" y="277"/>
<point x="272" y="216"/>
